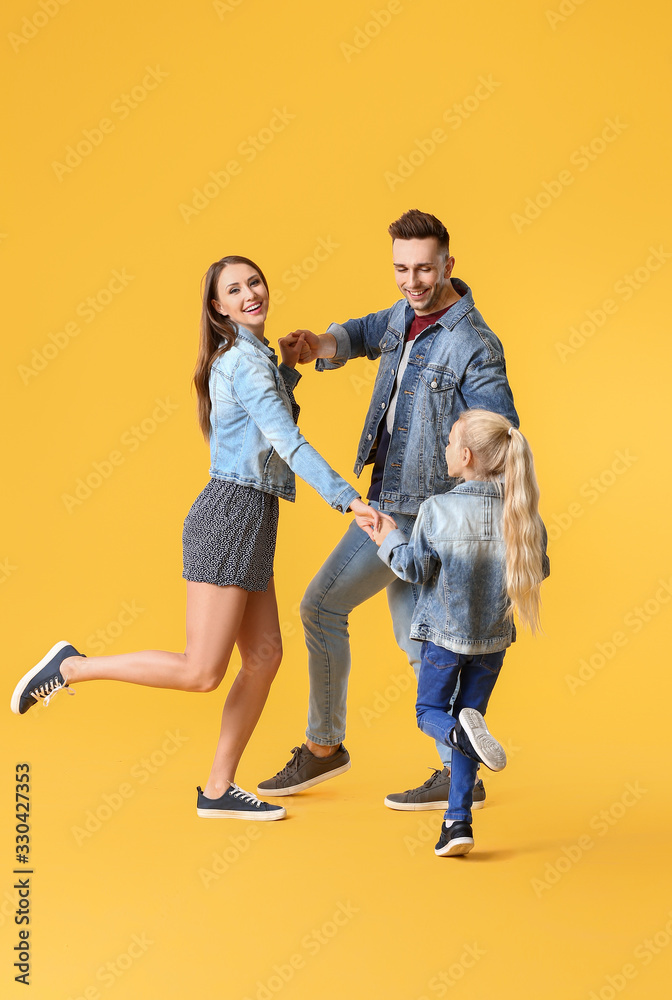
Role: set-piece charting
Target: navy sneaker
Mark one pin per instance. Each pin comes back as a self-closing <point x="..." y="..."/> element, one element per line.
<point x="237" y="804"/>
<point x="454" y="840"/>
<point x="305" y="770"/>
<point x="472" y="738"/>
<point x="44" y="680"/>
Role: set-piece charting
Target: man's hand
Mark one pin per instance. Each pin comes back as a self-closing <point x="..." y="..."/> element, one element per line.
<point x="291" y="347"/>
<point x="315" y="347"/>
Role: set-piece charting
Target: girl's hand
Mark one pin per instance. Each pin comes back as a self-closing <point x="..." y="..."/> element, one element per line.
<point x="291" y="347"/>
<point x="386" y="526"/>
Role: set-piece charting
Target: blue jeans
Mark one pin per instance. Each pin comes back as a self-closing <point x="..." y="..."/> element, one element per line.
<point x="440" y="671"/>
<point x="351" y="575"/>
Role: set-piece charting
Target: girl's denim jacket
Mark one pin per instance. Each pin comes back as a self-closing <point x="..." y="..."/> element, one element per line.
<point x="457" y="552"/>
<point x="254" y="440"/>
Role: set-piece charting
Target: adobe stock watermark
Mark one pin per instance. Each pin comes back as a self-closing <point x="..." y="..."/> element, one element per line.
<point x="87" y="310"/>
<point x="97" y="642"/>
<point x="454" y="116"/>
<point x="383" y="700"/>
<point x="120" y="108"/>
<point x="248" y="150"/>
<point x="590" y="492"/>
<point x="600" y="824"/>
<point x="642" y="956"/>
<point x="139" y="774"/>
<point x="311" y="945"/>
<point x="7" y="569"/>
<point x="633" y="622"/>
<point x="222" y="861"/>
<point x="439" y="984"/>
<point x="32" y="25"/>
<point x="364" y="35"/>
<point x="102" y="469"/>
<point x="293" y="277"/>
<point x="581" y="158"/>
<point x="112" y="971"/>
<point x="565" y="10"/>
<point x="224" y="7"/>
<point x="595" y="319"/>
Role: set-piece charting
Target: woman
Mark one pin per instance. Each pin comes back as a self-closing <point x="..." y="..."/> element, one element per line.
<point x="247" y="411"/>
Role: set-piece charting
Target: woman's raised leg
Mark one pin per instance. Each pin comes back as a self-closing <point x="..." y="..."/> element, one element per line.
<point x="214" y="616"/>
<point x="260" y="644"/>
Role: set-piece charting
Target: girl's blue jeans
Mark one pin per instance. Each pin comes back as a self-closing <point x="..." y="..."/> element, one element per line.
<point x="440" y="672"/>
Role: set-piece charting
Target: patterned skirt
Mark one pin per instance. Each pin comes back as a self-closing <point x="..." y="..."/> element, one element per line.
<point x="229" y="536"/>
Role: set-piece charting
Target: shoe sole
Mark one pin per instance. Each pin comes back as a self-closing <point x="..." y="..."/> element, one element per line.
<point x="264" y="817"/>
<point x="425" y="806"/>
<point x="488" y="749"/>
<point x="454" y="848"/>
<point x="21" y="686"/>
<point x="275" y="792"/>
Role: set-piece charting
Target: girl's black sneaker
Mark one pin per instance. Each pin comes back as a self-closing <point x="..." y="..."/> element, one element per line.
<point x="472" y="738"/>
<point x="454" y="840"/>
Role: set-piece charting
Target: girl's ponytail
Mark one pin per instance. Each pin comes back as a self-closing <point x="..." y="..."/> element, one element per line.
<point x="522" y="530"/>
<point x="499" y="451"/>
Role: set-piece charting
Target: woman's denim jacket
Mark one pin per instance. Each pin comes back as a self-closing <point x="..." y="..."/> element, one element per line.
<point x="457" y="552"/>
<point x="456" y="364"/>
<point x="254" y="439"/>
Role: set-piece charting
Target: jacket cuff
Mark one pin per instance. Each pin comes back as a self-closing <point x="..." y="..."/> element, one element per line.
<point x="290" y="376"/>
<point x="345" y="498"/>
<point x="343" y="347"/>
<point x="390" y="542"/>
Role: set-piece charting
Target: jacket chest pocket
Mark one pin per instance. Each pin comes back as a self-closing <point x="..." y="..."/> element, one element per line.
<point x="437" y="381"/>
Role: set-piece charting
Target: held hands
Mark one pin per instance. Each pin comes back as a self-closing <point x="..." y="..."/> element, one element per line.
<point x="372" y="521"/>
<point x="310" y="346"/>
<point x="291" y="347"/>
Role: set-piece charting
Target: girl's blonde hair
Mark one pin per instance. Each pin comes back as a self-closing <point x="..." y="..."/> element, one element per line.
<point x="499" y="452"/>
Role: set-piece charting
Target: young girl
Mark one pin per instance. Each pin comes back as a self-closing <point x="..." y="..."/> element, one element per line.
<point x="247" y="410"/>
<point x="480" y="553"/>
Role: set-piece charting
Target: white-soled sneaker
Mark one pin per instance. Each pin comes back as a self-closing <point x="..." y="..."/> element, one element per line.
<point x="237" y="804"/>
<point x="472" y="738"/>
<point x="44" y="680"/>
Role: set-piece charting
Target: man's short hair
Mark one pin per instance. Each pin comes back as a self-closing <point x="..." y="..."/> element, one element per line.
<point x="417" y="225"/>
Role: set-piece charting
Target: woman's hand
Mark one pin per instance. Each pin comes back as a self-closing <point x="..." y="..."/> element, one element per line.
<point x="371" y="520"/>
<point x="291" y="347"/>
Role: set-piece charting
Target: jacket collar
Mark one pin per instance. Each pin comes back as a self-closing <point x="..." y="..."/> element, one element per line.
<point x="479" y="487"/>
<point x="245" y="337"/>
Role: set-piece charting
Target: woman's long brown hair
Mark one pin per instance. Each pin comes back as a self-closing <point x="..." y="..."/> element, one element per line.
<point x="218" y="333"/>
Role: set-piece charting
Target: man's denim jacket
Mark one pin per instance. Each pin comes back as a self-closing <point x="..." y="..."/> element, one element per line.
<point x="254" y="440"/>
<point x="455" y="364"/>
<point x="457" y="552"/>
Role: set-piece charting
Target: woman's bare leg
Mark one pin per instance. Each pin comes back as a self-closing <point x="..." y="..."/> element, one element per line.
<point x="260" y="644"/>
<point x="214" y="616"/>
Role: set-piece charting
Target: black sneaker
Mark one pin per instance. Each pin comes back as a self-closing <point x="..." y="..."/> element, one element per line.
<point x="454" y="840"/>
<point x="237" y="804"/>
<point x="432" y="795"/>
<point x="305" y="770"/>
<point x="472" y="737"/>
<point x="43" y="681"/>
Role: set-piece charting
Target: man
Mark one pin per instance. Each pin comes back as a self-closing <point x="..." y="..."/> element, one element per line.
<point x="437" y="358"/>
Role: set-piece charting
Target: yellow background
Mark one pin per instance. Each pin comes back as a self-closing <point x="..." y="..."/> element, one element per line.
<point x="359" y="102"/>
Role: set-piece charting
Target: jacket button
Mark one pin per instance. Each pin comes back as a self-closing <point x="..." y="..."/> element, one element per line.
<point x="382" y="406"/>
<point x="434" y="385"/>
<point x="394" y="371"/>
<point x="369" y="437"/>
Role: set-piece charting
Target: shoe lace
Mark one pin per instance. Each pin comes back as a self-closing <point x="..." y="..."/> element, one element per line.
<point x="247" y="797"/>
<point x="46" y="691"/>
<point x="292" y="765"/>
<point x="437" y="772"/>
